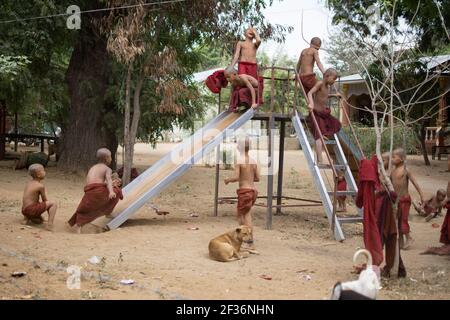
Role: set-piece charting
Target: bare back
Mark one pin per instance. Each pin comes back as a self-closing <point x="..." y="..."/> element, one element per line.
<point x="247" y="51"/>
<point x="321" y="96"/>
<point x="98" y="174"/>
<point x="248" y="174"/>
<point x="435" y="203"/>
<point x="240" y="81"/>
<point x="32" y="192"/>
<point x="307" y="60"/>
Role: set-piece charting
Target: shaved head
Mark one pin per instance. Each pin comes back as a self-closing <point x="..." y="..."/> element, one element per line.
<point x="385" y="156"/>
<point x="34" y="169"/>
<point x="400" y="152"/>
<point x="316" y="41"/>
<point x="229" y="71"/>
<point x="331" y="72"/>
<point x="244" y="144"/>
<point x="103" y="154"/>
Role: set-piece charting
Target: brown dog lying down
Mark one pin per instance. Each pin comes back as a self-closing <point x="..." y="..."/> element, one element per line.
<point x="226" y="248"/>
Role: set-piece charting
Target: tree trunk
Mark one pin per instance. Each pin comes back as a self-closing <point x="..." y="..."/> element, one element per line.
<point x="423" y="145"/>
<point x="130" y="137"/>
<point x="87" y="78"/>
<point x="126" y="177"/>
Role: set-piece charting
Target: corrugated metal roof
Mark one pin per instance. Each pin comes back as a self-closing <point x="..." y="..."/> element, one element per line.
<point x="354" y="78"/>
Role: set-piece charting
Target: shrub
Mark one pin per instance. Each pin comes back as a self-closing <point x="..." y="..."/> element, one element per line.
<point x="367" y="139"/>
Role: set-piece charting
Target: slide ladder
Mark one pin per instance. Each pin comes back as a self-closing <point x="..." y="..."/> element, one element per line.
<point x="319" y="172"/>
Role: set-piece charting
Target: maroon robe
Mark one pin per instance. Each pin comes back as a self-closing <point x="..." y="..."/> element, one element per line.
<point x="368" y="181"/>
<point x="95" y="203"/>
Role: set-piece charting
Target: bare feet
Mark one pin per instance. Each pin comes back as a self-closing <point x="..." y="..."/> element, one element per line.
<point x="49" y="227"/>
<point x="407" y="243"/>
<point x="75" y="228"/>
<point x="25" y="222"/>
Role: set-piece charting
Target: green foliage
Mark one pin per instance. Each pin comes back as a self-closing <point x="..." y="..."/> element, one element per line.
<point x="10" y="67"/>
<point x="39" y="51"/>
<point x="202" y="33"/>
<point x="367" y="139"/>
<point x="422" y="15"/>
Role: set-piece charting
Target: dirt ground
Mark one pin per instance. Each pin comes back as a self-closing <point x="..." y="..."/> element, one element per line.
<point x="167" y="260"/>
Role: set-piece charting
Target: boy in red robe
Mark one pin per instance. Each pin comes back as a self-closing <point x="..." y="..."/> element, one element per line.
<point x="445" y="231"/>
<point x="388" y="225"/>
<point x="100" y="196"/>
<point x="246" y="173"/>
<point x="32" y="208"/>
<point x="342" y="186"/>
<point x="245" y="53"/>
<point x="318" y="104"/>
<point x="305" y="65"/>
<point x="400" y="178"/>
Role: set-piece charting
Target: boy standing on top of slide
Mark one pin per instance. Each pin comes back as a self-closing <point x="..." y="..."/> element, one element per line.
<point x="245" y="54"/>
<point x="305" y="65"/>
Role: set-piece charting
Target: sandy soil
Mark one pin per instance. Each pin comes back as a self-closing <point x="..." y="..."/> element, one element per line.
<point x="168" y="261"/>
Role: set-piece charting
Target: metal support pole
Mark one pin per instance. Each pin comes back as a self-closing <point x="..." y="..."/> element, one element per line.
<point x="216" y="187"/>
<point x="270" y="131"/>
<point x="280" y="166"/>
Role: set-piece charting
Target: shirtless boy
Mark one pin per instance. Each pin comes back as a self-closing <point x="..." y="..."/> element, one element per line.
<point x="400" y="177"/>
<point x="243" y="80"/>
<point x="432" y="207"/>
<point x="318" y="104"/>
<point x="246" y="173"/>
<point x="342" y="186"/>
<point x="32" y="208"/>
<point x="100" y="196"/>
<point x="245" y="53"/>
<point x="305" y="65"/>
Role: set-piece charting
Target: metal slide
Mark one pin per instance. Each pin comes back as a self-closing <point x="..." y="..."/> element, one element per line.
<point x="341" y="161"/>
<point x="159" y="176"/>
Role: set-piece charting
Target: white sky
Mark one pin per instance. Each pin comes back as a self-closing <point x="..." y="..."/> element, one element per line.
<point x="316" y="18"/>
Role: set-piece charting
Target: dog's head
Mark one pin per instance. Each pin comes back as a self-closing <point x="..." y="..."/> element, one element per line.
<point x="243" y="233"/>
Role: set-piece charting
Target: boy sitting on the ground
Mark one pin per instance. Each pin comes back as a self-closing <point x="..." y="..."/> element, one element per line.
<point x="100" y="196"/>
<point x="400" y="178"/>
<point x="32" y="208"/>
<point x="243" y="80"/>
<point x="246" y="173"/>
<point x="245" y="53"/>
<point x="445" y="231"/>
<point x="318" y="104"/>
<point x="432" y="207"/>
<point x="305" y="65"/>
